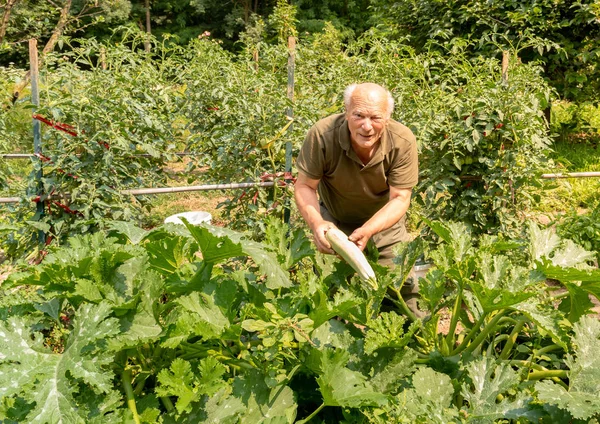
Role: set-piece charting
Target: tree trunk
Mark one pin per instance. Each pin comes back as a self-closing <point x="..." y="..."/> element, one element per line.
<point x="5" y="17"/>
<point x="65" y="13"/>
<point x="148" y="27"/>
<point x="59" y="28"/>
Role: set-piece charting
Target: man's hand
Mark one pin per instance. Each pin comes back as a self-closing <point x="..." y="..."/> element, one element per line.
<point x="360" y="237"/>
<point x="305" y="193"/>
<point x="319" y="237"/>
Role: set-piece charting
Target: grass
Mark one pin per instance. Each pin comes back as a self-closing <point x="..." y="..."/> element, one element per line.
<point x="163" y="205"/>
<point x="580" y="194"/>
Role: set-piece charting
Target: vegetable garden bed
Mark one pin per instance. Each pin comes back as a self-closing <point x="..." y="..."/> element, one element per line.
<point x="131" y="325"/>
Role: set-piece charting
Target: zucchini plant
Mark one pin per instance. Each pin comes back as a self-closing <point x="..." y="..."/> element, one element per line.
<point x="202" y="324"/>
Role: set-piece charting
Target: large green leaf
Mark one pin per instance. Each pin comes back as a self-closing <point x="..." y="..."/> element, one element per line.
<point x="341" y="386"/>
<point x="195" y="315"/>
<point x="432" y="288"/>
<point x="389" y="373"/>
<point x="167" y="254"/>
<point x="430" y="400"/>
<point x="488" y="381"/>
<point x="571" y="255"/>
<point x="290" y="247"/>
<point x="581" y="399"/>
<point x="218" y="244"/>
<point x="387" y="330"/>
<point x="264" y="404"/>
<point x="541" y="242"/>
<point x="132" y="232"/>
<point x="324" y="310"/>
<point x="561" y="273"/>
<point x="189" y="385"/>
<point x="222" y="408"/>
<point x="407" y="255"/>
<point x="456" y="235"/>
<point x="50" y="380"/>
<point x="141" y="325"/>
<point x="332" y="334"/>
<point x="548" y="320"/>
<point x="578" y="302"/>
<point x="215" y="243"/>
<point x="496" y="299"/>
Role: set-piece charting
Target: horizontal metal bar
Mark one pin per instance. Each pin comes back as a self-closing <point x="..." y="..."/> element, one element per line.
<point x="572" y="175"/>
<point x="17" y="156"/>
<point x="163" y="190"/>
<point x="30" y="155"/>
<point x="10" y="199"/>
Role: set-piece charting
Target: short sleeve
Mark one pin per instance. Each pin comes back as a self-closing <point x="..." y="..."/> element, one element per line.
<point x="404" y="172"/>
<point x="311" y="157"/>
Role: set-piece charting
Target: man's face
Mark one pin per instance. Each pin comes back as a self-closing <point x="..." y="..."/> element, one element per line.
<point x="367" y="118"/>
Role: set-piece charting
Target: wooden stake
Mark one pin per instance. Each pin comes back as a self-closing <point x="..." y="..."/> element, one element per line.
<point x="505" y="59"/>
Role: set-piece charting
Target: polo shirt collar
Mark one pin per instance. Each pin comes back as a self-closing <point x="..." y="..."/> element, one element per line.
<point x="385" y="145"/>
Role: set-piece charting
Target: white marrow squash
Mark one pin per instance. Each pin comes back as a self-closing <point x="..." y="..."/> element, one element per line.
<point x="351" y="254"/>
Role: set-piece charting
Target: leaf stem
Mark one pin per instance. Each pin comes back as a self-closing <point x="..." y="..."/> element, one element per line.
<point x="314" y="414"/>
<point x="484" y="333"/>
<point x="541" y="372"/>
<point x="470" y="335"/>
<point x="454" y="320"/>
<point x="168" y="403"/>
<point x="539" y="375"/>
<point x="546" y="349"/>
<point x="126" y="381"/>
<point x="399" y="302"/>
<point x="512" y="338"/>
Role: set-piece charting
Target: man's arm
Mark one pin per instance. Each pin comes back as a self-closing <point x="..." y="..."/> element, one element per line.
<point x="305" y="194"/>
<point x="387" y="216"/>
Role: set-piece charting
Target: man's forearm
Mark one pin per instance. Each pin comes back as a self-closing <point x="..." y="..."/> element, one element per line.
<point x="308" y="205"/>
<point x="388" y="215"/>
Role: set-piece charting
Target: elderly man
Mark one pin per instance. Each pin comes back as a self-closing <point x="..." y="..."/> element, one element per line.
<point x="363" y="165"/>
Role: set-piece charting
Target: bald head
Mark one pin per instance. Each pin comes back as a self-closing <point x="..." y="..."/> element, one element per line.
<point x="370" y="92"/>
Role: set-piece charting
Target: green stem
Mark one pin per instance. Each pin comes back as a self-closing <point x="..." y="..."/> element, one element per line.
<point x="526" y="364"/>
<point x="546" y="349"/>
<point x="139" y="387"/>
<point x="560" y="296"/>
<point x="485" y="332"/>
<point x="454" y="321"/>
<point x="470" y="335"/>
<point x="126" y="381"/>
<point x="508" y="320"/>
<point x="421" y="355"/>
<point x="512" y="338"/>
<point x="399" y="302"/>
<point x="167" y="403"/>
<point x="314" y="414"/>
<point x="492" y="346"/>
<point x="541" y="372"/>
<point x="539" y="375"/>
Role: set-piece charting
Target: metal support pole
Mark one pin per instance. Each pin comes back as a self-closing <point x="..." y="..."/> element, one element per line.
<point x="290" y="114"/>
<point x="160" y="190"/>
<point x="37" y="132"/>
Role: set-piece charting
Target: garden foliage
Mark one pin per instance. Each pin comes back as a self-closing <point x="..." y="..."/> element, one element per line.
<point x="134" y="325"/>
<point x="560" y="35"/>
<point x="482" y="138"/>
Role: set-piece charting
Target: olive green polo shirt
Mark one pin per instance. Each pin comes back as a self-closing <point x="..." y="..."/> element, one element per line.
<point x="351" y="191"/>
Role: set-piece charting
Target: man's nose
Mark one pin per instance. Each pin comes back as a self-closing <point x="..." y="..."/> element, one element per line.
<point x="367" y="124"/>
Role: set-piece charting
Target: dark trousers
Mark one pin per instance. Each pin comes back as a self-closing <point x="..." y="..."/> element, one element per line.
<point x="385" y="242"/>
